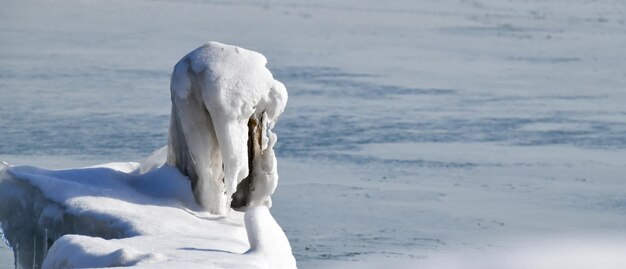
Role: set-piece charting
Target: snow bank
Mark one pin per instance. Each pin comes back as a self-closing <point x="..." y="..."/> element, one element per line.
<point x="101" y="217"/>
<point x="224" y="105"/>
<point x="76" y="251"/>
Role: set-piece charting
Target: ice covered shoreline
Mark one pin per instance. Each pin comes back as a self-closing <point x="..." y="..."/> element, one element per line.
<point x="180" y="200"/>
<point x="464" y="115"/>
<point x="114" y="215"/>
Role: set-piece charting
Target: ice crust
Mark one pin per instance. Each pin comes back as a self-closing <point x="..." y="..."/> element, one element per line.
<point x="77" y="251"/>
<point x="222" y="98"/>
<point x="108" y="215"/>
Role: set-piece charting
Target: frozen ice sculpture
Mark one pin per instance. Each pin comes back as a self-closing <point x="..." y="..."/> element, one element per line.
<point x="224" y="105"/>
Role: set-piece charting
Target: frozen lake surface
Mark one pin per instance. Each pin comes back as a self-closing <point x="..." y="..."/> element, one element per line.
<point x="413" y="129"/>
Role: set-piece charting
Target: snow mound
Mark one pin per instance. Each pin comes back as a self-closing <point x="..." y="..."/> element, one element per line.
<point x="224" y="105"/>
<point x="101" y="217"/>
<point x="267" y="238"/>
<point x="76" y="251"/>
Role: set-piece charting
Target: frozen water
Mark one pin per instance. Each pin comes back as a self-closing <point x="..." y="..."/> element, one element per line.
<point x="427" y="127"/>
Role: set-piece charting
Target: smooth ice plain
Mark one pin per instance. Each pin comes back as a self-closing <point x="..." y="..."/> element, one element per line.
<point x="415" y="129"/>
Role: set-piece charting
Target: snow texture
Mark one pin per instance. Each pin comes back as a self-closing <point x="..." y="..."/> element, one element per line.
<point x="112" y="215"/>
<point x="77" y="251"/>
<point x="224" y="105"/>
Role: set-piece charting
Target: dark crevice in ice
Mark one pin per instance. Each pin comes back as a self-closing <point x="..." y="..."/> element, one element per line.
<point x="241" y="198"/>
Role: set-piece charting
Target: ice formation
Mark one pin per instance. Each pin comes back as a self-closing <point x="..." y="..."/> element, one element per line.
<point x="170" y="210"/>
<point x="224" y="105"/>
<point x="115" y="215"/>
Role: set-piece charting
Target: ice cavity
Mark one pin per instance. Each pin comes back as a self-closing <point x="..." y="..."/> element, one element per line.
<point x="224" y="105"/>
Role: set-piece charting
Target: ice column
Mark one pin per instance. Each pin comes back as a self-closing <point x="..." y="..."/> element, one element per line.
<point x="224" y="105"/>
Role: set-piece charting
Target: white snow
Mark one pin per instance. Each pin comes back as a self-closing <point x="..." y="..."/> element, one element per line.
<point x="216" y="90"/>
<point x="102" y="217"/>
<point x="77" y="251"/>
<point x="267" y="239"/>
<point x="525" y="138"/>
<point x="224" y="105"/>
<point x="553" y="252"/>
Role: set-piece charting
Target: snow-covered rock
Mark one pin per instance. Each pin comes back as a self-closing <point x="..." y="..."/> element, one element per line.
<point x="224" y="105"/>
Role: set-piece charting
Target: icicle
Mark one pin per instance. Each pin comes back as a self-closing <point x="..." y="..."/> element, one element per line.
<point x="35" y="251"/>
<point x="45" y="244"/>
<point x="4" y="239"/>
<point x="16" y="255"/>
